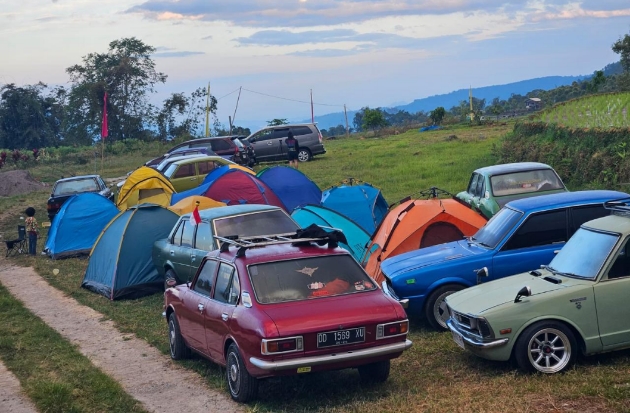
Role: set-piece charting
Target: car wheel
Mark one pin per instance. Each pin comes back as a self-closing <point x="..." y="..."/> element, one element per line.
<point x="547" y="346"/>
<point x="375" y="372"/>
<point x="304" y="155"/>
<point x="170" y="275"/>
<point x="435" y="308"/>
<point x="179" y="350"/>
<point x="243" y="387"/>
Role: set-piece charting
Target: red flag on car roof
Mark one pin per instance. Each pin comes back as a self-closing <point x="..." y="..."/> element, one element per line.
<point x="196" y="218"/>
<point x="104" y="126"/>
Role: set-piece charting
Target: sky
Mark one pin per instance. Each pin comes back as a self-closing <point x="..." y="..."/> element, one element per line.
<point x="357" y="53"/>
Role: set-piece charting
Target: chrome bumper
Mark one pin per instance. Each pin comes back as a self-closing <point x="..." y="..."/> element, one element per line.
<point x="473" y="341"/>
<point x="330" y="358"/>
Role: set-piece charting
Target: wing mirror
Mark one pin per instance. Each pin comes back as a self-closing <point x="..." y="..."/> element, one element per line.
<point x="481" y="273"/>
<point x="171" y="282"/>
<point x="523" y="292"/>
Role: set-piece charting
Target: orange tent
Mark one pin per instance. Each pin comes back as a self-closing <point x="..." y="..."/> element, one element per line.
<point x="417" y="224"/>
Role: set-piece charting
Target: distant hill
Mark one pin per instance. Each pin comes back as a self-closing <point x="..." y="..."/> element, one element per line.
<point x="451" y="99"/>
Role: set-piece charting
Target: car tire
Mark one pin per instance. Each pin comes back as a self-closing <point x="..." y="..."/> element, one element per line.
<point x="170" y="274"/>
<point x="243" y="387"/>
<point x="547" y="346"/>
<point x="375" y="372"/>
<point x="304" y="155"/>
<point x="435" y="308"/>
<point x="179" y="349"/>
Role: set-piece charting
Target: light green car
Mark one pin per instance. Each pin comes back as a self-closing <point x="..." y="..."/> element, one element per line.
<point x="579" y="303"/>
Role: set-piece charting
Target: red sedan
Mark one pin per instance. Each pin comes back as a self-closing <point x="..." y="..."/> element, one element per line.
<point x="284" y="307"/>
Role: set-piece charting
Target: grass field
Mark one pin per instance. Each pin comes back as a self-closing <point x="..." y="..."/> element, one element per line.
<point x="598" y="111"/>
<point x="434" y="375"/>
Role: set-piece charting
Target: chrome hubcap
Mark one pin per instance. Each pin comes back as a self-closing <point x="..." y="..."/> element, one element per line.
<point x="171" y="336"/>
<point x="549" y="350"/>
<point x="234" y="379"/>
<point x="440" y="310"/>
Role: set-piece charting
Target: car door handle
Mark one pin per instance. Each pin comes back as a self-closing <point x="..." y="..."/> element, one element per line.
<point x="193" y="179"/>
<point x="224" y="317"/>
<point x="200" y="307"/>
<point x="172" y="252"/>
<point x="193" y="257"/>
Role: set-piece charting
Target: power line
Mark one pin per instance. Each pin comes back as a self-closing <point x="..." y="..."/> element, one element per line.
<point x="235" y="90"/>
<point x="291" y="100"/>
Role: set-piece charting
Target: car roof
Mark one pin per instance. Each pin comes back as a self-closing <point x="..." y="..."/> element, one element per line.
<point x="283" y="126"/>
<point x="611" y="223"/>
<point x="562" y="199"/>
<point x="78" y="177"/>
<point x="511" y="167"/>
<point x="191" y="158"/>
<point x="230" y="210"/>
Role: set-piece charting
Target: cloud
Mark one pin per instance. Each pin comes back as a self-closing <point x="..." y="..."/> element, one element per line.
<point x="206" y="38"/>
<point x="175" y="54"/>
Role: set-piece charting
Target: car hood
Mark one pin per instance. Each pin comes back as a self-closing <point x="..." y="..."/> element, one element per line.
<point x="484" y="297"/>
<point x="414" y="260"/>
<point x="303" y="317"/>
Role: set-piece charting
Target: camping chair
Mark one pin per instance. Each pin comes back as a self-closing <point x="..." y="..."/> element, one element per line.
<point x="17" y="246"/>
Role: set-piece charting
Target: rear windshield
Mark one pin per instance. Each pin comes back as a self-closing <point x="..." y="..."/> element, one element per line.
<point x="72" y="187"/>
<point x="525" y="182"/>
<point x="257" y="223"/>
<point x="310" y="278"/>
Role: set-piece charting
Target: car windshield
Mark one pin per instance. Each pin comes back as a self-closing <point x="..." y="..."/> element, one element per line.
<point x="584" y="254"/>
<point x="497" y="228"/>
<point x="310" y="278"/>
<point x="79" y="185"/>
<point x="525" y="182"/>
<point x="257" y="223"/>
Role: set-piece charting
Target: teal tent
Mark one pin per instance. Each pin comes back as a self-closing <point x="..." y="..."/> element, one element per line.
<point x="78" y="224"/>
<point x="120" y="263"/>
<point x="362" y="203"/>
<point x="357" y="237"/>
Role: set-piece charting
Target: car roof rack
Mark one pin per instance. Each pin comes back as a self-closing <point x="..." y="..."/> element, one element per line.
<point x="618" y="206"/>
<point x="313" y="233"/>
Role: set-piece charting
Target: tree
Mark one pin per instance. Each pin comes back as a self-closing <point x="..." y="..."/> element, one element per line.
<point x="357" y="121"/>
<point x="622" y="48"/>
<point x="373" y="118"/>
<point x="437" y="115"/>
<point x="181" y="115"/>
<point x="236" y="130"/>
<point x="128" y="75"/>
<point x="596" y="81"/>
<point x="277" y="122"/>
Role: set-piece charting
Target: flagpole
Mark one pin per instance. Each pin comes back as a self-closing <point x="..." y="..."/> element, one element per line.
<point x="104" y="131"/>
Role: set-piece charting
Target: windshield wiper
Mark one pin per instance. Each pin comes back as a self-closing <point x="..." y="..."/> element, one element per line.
<point x="474" y="240"/>
<point x="556" y="272"/>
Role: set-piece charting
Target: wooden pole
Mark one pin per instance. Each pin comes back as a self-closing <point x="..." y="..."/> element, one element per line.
<point x="208" y="112"/>
<point x="102" y="154"/>
<point x="235" y="109"/>
<point x="312" y="112"/>
<point x="345" y="113"/>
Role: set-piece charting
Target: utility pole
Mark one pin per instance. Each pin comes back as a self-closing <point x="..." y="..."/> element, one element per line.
<point x="472" y="111"/>
<point x="208" y="112"/>
<point x="233" y="119"/>
<point x="312" y="112"/>
<point x="345" y="113"/>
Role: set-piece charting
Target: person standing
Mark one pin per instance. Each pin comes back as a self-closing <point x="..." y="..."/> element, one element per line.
<point x="31" y="230"/>
<point x="293" y="149"/>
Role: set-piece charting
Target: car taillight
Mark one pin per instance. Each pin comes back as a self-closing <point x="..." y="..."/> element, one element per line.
<point x="392" y="329"/>
<point x="53" y="206"/>
<point x="319" y="135"/>
<point x="282" y="345"/>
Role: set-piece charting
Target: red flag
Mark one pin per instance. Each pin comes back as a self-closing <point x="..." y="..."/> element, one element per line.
<point x="104" y="126"/>
<point x="196" y="218"/>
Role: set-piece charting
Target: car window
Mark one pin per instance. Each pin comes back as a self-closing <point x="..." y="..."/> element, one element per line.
<point x="309" y="278"/>
<point x="479" y="191"/>
<point x="495" y="230"/>
<point x="301" y="130"/>
<point x="185" y="170"/>
<point x="76" y="186"/>
<point x="221" y="145"/>
<point x="177" y="236"/>
<point x="206" y="167"/>
<point x="472" y="187"/>
<point x="264" y="135"/>
<point x="540" y="229"/>
<point x="282" y="133"/>
<point x="585" y="253"/>
<point x="203" y="285"/>
<point x="170" y="170"/>
<point x="525" y="182"/>
<point x="257" y="223"/>
<point x="187" y="235"/>
<point x="101" y="183"/>
<point x="203" y="237"/>
<point x="580" y="215"/>
<point x="223" y="291"/>
<point x="621" y="266"/>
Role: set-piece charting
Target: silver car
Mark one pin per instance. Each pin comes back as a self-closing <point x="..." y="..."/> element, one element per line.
<point x="268" y="143"/>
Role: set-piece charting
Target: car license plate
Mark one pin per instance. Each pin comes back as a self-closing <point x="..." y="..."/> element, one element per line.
<point x="458" y="339"/>
<point x="340" y="337"/>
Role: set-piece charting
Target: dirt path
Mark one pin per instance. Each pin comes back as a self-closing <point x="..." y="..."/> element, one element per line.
<point x="144" y="372"/>
<point x="11" y="397"/>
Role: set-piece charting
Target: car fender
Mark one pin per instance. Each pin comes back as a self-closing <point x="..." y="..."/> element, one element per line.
<point x="445" y="281"/>
<point x="591" y="346"/>
<point x="168" y="265"/>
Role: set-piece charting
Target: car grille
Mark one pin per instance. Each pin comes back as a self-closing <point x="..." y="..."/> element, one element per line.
<point x="471" y="325"/>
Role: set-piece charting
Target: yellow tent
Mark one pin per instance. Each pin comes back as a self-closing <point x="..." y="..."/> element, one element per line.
<point x="145" y="185"/>
<point x="242" y="168"/>
<point x="188" y="204"/>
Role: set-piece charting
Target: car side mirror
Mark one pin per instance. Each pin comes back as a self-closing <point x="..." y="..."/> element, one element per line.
<point x="523" y="292"/>
<point x="481" y="273"/>
<point x="171" y="282"/>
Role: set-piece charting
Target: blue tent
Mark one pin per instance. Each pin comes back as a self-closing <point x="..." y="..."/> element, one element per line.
<point x="357" y="238"/>
<point x="290" y="185"/>
<point x="362" y="203"/>
<point x="78" y="224"/>
<point x="120" y="263"/>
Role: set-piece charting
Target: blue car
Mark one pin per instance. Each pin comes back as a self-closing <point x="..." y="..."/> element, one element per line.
<point x="522" y="236"/>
